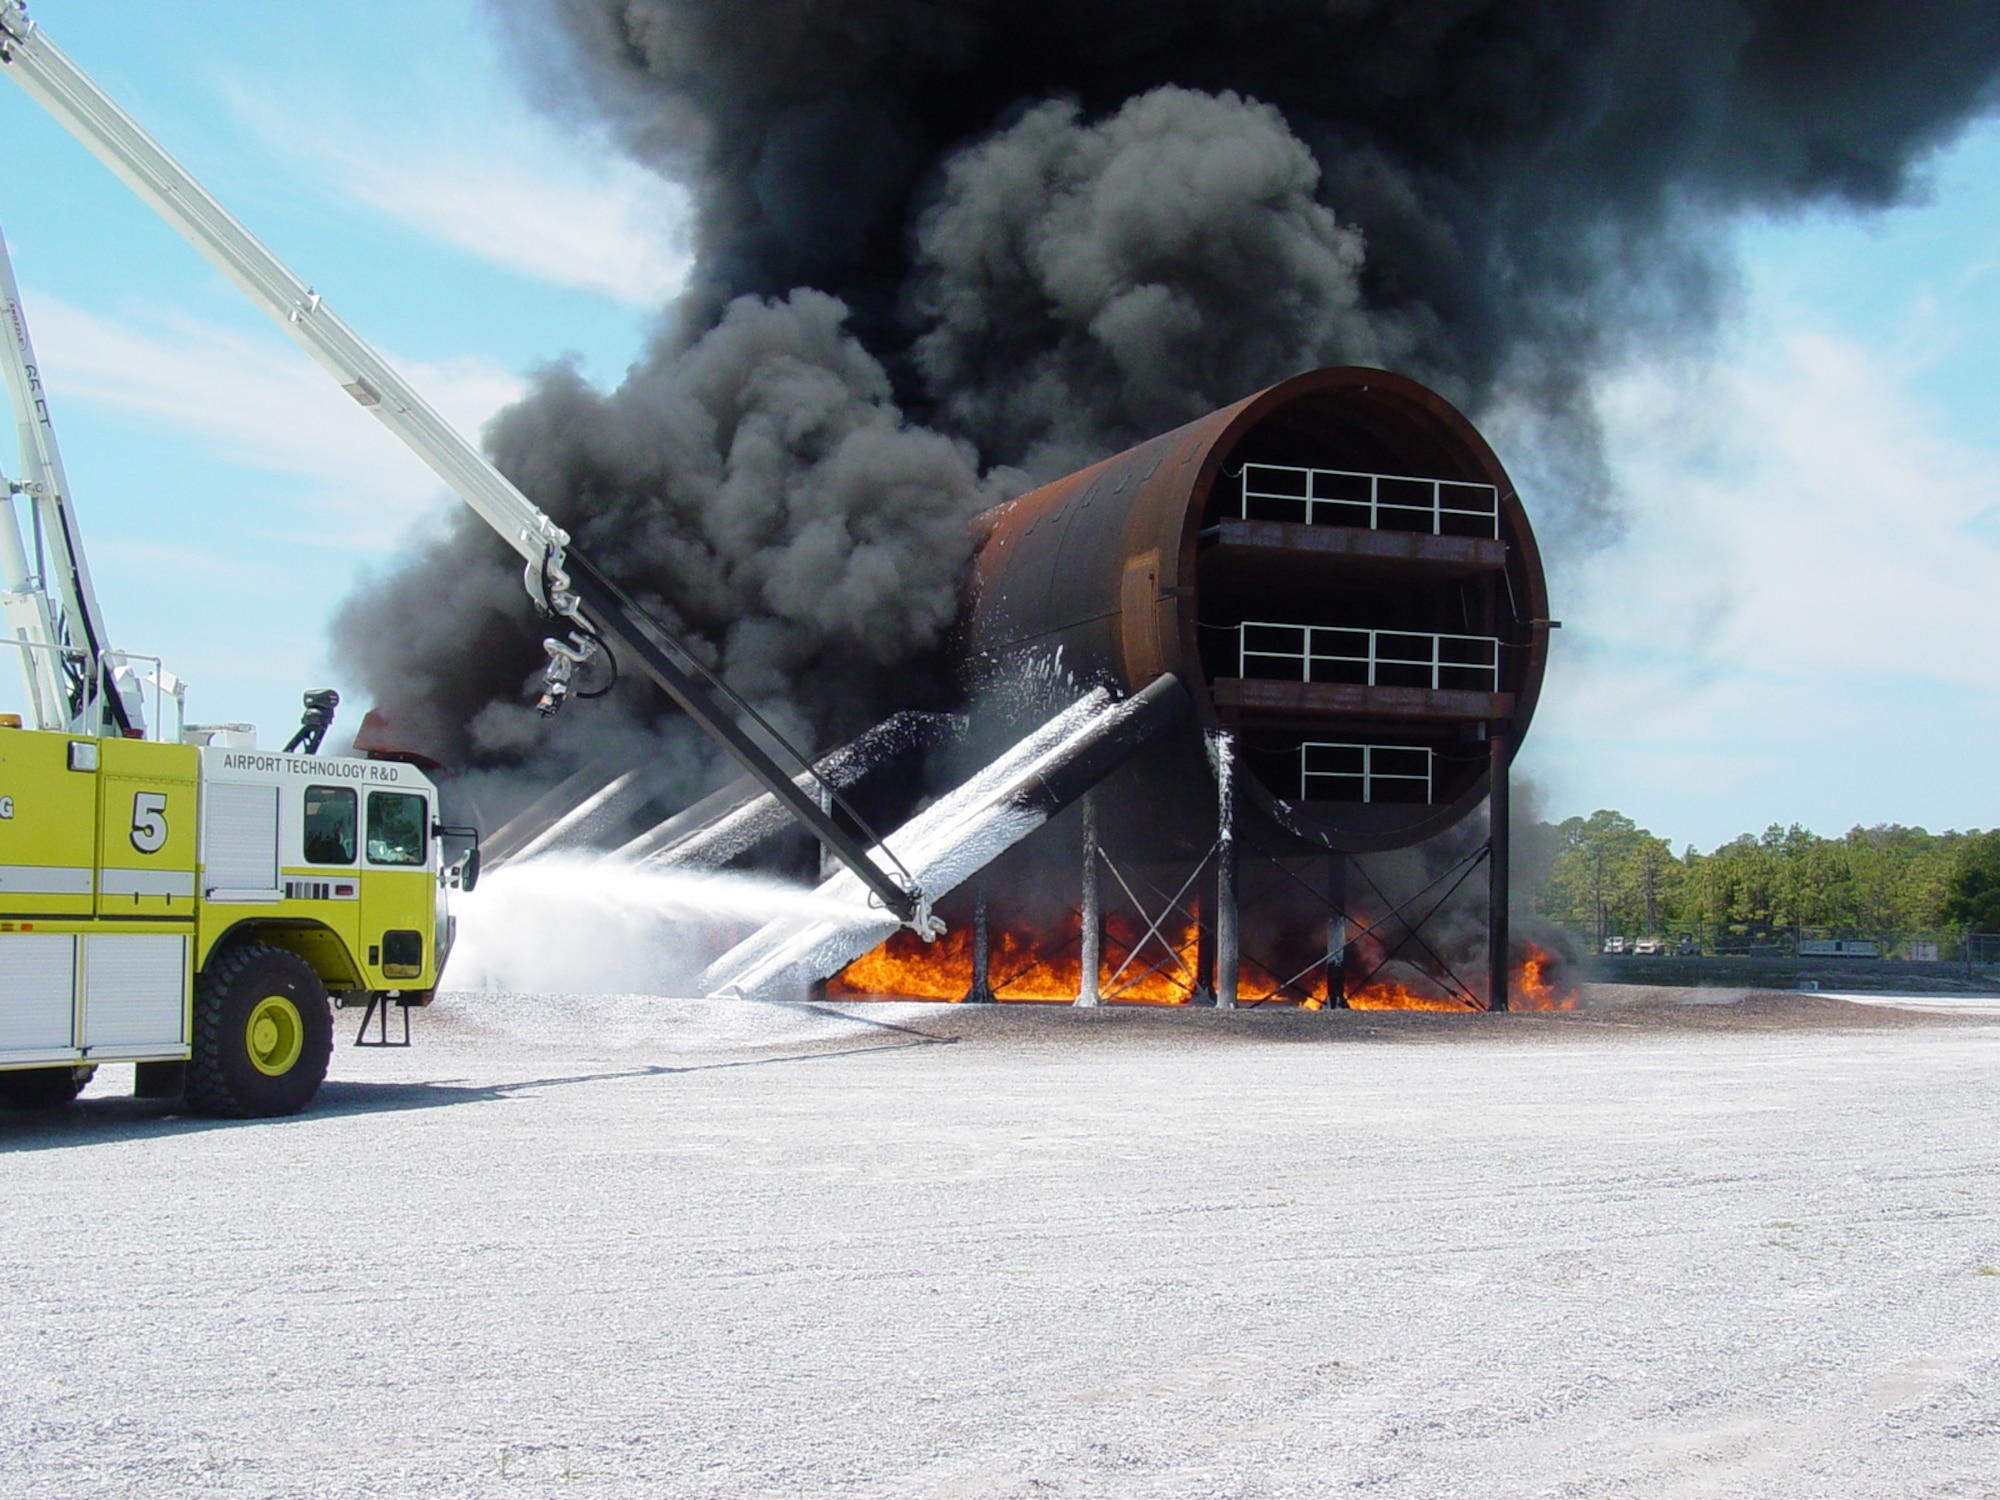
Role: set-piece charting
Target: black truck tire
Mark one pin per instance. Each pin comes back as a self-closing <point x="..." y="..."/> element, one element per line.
<point x="43" y="1088"/>
<point x="262" y="1034"/>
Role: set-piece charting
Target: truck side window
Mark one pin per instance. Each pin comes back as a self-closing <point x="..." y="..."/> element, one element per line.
<point x="330" y="820"/>
<point x="396" y="829"/>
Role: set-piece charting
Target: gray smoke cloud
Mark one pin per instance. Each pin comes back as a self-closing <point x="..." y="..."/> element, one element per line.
<point x="1081" y="287"/>
<point x="1042" y="230"/>
<point x="1537" y="181"/>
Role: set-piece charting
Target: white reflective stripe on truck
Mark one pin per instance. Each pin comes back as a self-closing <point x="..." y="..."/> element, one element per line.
<point x="147" y="883"/>
<point x="46" y="880"/>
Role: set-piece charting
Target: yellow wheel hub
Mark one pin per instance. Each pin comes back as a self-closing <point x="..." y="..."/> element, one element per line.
<point x="274" y="1035"/>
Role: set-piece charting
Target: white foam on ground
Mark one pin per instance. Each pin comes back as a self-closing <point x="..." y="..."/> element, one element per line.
<point x="1656" y="1264"/>
<point x="658" y="1026"/>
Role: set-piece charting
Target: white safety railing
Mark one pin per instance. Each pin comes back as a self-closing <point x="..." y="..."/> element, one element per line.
<point x="1376" y="502"/>
<point x="1331" y="772"/>
<point x="1368" y="658"/>
<point x="164" y="684"/>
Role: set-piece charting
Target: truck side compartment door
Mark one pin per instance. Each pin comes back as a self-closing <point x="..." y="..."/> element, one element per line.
<point x="135" y="992"/>
<point x="37" y="994"/>
<point x="48" y="824"/>
<point x="239" y="842"/>
<point x="146" y="829"/>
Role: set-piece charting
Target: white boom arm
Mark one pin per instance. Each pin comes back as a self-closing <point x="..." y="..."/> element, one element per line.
<point x="82" y="108"/>
<point x="54" y="620"/>
<point x="112" y="136"/>
<point x="30" y="626"/>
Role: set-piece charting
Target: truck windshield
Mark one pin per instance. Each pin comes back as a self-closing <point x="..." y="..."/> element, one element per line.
<point x="330" y="819"/>
<point x="395" y="828"/>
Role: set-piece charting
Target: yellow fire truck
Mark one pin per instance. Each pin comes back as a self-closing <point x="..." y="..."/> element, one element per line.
<point x="179" y="899"/>
<point x="191" y="908"/>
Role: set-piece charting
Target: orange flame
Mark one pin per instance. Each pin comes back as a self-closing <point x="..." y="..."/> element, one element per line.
<point x="1385" y="995"/>
<point x="1536" y="984"/>
<point x="1535" y="987"/>
<point x="907" y="967"/>
<point x="1021" y="968"/>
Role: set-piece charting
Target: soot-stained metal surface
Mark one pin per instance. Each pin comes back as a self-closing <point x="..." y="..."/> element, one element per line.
<point x="1339" y="570"/>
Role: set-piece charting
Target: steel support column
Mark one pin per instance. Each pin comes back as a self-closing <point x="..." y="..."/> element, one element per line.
<point x="829" y="858"/>
<point x="1228" y="947"/>
<point x="981" y="992"/>
<point x="1336" y="932"/>
<point x="1498" y="816"/>
<point x="1091" y="934"/>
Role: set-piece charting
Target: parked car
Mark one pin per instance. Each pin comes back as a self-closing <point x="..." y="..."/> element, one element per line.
<point x="1652" y="945"/>
<point x="1614" y="945"/>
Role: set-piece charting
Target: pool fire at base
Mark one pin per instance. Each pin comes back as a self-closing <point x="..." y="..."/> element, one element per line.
<point x="1157" y="971"/>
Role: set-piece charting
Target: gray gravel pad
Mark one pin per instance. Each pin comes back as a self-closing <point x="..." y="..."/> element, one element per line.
<point x="1672" y="1245"/>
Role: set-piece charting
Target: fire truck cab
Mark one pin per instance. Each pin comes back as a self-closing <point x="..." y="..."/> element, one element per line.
<point x="192" y="908"/>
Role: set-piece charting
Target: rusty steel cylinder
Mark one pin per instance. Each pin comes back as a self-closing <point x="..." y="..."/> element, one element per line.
<point x="1339" y="570"/>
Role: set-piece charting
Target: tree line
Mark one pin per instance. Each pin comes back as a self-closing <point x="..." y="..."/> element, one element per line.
<point x="1605" y="873"/>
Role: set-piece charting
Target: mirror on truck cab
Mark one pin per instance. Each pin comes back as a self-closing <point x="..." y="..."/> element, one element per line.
<point x="466" y="872"/>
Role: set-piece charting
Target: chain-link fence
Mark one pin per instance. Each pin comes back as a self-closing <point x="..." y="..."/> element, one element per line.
<point x="1938" y="945"/>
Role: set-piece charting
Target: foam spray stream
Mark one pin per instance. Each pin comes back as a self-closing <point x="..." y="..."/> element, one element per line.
<point x="564" y="924"/>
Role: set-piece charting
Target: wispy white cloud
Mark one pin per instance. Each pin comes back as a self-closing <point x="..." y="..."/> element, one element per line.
<point x="265" y="406"/>
<point x="559" y="207"/>
<point x="618" y="235"/>
<point x="1800" y="622"/>
<point x="1800" y="514"/>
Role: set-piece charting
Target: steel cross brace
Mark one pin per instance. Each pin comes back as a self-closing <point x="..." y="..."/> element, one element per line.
<point x="1412" y="931"/>
<point x="1152" y="931"/>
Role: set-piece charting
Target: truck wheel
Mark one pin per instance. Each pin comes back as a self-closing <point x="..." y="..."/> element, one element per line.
<point x="262" y="1034"/>
<point x="42" y="1088"/>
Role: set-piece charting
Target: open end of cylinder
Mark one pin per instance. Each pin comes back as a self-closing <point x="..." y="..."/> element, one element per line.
<point x="1364" y="588"/>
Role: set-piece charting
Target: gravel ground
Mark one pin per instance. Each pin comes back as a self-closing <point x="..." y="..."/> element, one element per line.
<point x="1675" y="1244"/>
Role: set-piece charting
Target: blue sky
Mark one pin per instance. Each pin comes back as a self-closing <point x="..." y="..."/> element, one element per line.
<point x="229" y="494"/>
<point x="1798" y="626"/>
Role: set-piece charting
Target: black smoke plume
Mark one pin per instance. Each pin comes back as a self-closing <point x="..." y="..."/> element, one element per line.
<point x="1055" y="227"/>
<point x="754" y="487"/>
